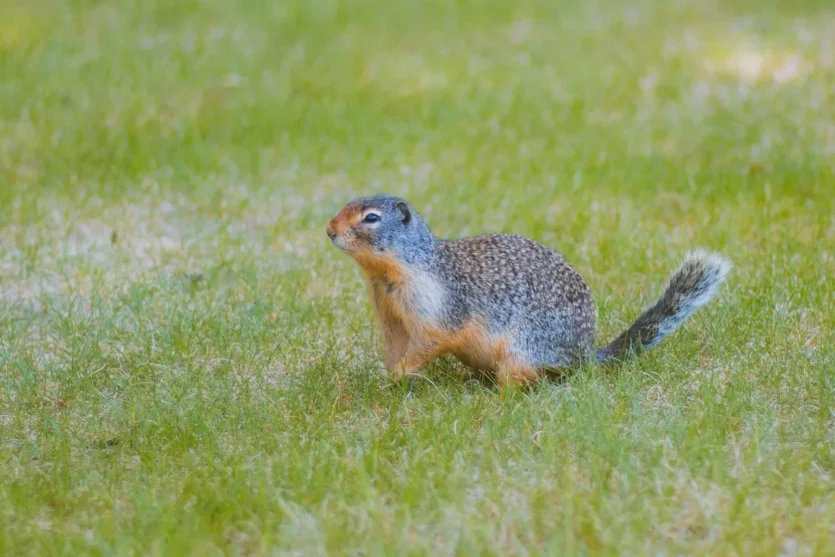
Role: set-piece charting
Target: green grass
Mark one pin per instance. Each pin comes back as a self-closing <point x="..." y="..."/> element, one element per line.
<point x="188" y="367"/>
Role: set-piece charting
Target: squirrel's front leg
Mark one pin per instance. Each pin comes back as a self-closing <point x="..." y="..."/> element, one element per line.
<point x="396" y="342"/>
<point x="395" y="337"/>
<point x="416" y="356"/>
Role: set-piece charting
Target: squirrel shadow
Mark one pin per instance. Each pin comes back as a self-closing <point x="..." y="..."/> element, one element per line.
<point x="448" y="371"/>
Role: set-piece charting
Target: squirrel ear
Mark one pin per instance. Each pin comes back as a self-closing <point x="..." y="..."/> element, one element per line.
<point x="407" y="214"/>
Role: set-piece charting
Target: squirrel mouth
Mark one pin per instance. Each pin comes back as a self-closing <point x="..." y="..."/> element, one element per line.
<point x="338" y="243"/>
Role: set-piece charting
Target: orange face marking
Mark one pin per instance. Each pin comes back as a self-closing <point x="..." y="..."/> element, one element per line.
<point x="341" y="229"/>
<point x="345" y="220"/>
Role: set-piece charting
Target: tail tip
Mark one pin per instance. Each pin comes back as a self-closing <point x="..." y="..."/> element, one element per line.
<point x="709" y="263"/>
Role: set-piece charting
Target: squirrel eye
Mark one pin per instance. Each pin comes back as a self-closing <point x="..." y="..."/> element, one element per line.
<point x="371" y="217"/>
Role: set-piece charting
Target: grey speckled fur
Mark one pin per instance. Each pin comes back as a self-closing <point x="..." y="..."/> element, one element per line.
<point x="520" y="286"/>
<point x="528" y="292"/>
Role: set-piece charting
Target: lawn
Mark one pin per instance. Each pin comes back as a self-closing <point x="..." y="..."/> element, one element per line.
<point x="188" y="367"/>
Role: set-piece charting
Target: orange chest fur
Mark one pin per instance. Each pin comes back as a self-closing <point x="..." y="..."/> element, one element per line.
<point x="413" y="302"/>
<point x="411" y="296"/>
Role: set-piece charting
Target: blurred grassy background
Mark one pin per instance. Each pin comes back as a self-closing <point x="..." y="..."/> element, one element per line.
<point x="187" y="366"/>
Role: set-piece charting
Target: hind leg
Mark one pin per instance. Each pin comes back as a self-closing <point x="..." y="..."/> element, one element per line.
<point x="559" y="343"/>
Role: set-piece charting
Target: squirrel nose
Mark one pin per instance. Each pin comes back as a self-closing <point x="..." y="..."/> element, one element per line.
<point x="331" y="232"/>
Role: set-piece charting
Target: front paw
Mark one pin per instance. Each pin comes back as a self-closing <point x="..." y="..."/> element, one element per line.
<point x="397" y="372"/>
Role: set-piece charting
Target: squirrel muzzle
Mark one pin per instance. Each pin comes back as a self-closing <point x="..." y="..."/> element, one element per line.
<point x="339" y="231"/>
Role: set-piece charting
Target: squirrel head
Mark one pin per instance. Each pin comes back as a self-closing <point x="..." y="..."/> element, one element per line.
<point x="381" y="227"/>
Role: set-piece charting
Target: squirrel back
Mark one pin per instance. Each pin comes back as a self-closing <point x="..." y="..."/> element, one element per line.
<point x="498" y="302"/>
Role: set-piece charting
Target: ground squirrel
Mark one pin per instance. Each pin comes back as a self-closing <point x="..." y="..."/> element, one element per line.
<point x="499" y="303"/>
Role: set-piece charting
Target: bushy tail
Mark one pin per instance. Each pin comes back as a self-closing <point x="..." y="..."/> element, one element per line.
<point x="692" y="286"/>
